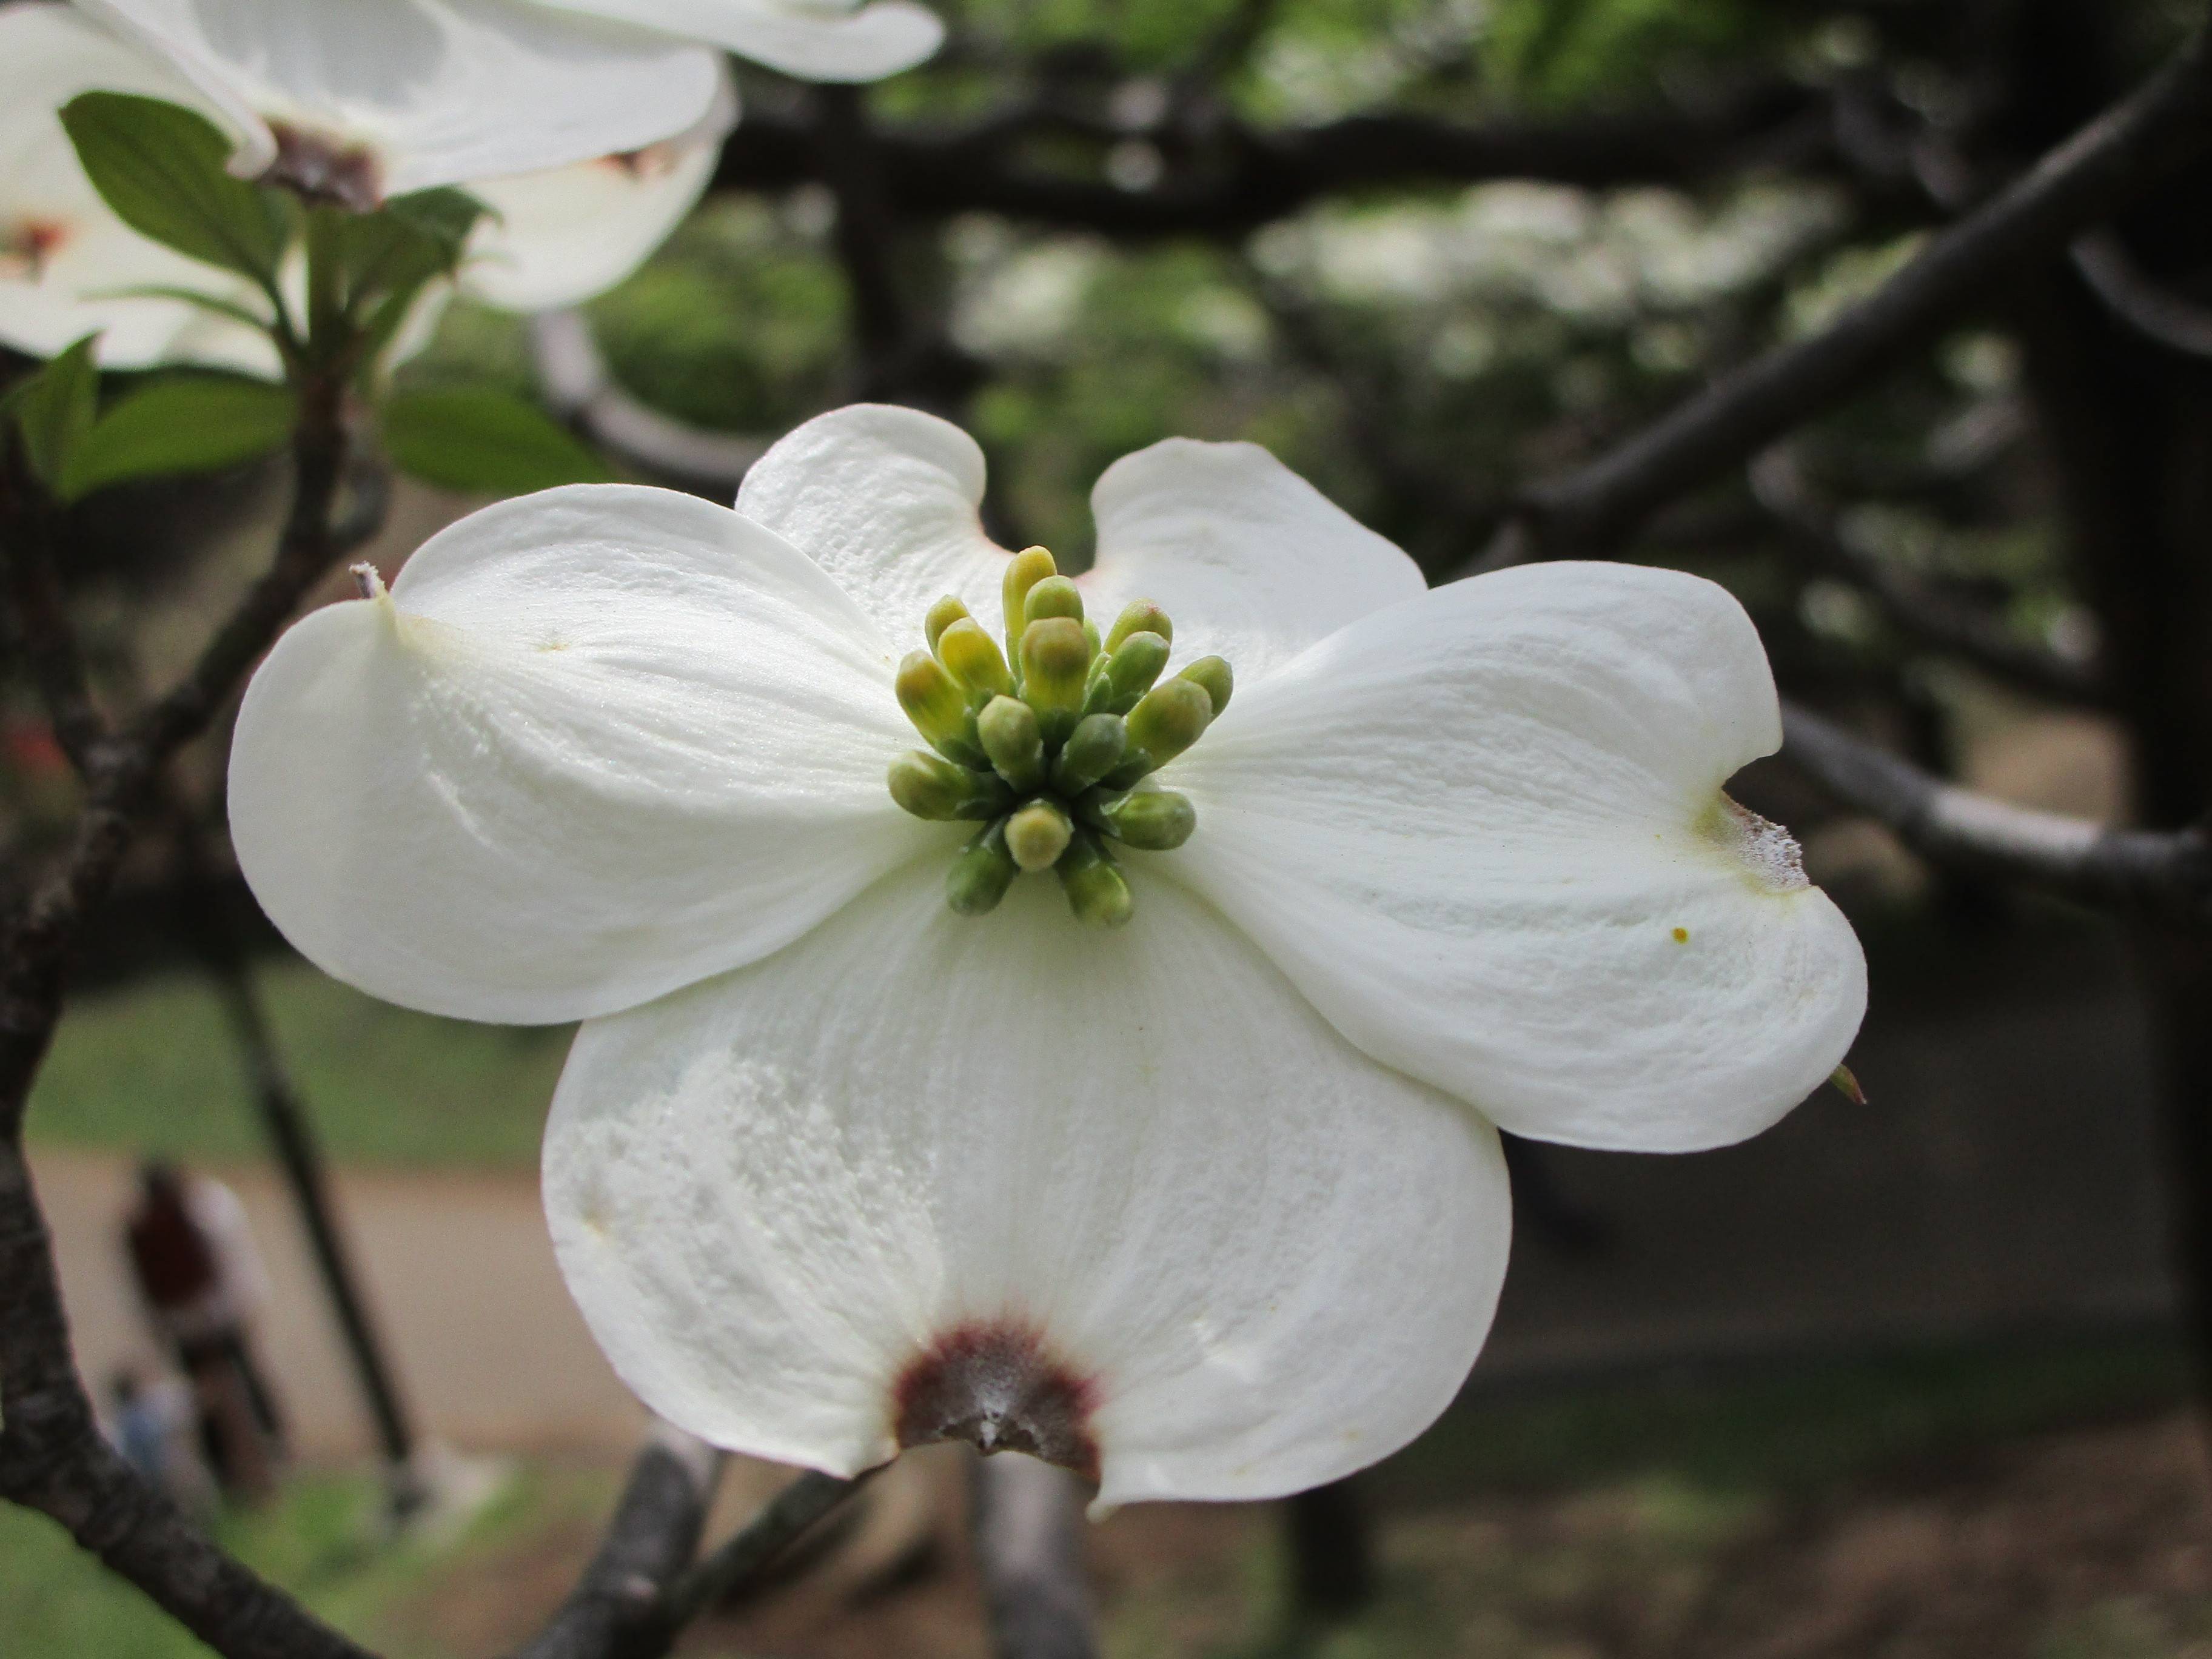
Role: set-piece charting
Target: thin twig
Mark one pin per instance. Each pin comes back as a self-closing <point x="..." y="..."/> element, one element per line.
<point x="741" y="1561"/>
<point x="2164" y="874"/>
<point x="573" y="376"/>
<point x="2160" y="315"/>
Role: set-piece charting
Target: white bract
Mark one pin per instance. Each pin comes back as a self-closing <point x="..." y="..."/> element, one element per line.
<point x="1207" y="1206"/>
<point x="813" y="39"/>
<point x="358" y="99"/>
<point x="68" y="264"/>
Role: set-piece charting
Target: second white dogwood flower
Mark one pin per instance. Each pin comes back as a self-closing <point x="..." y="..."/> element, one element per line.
<point x="70" y="267"/>
<point x="356" y="99"/>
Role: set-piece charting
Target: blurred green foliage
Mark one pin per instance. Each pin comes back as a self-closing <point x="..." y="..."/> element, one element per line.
<point x="324" y="1538"/>
<point x="152" y="1069"/>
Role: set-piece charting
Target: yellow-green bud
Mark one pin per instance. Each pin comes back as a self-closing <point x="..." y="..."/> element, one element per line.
<point x="1037" y="835"/>
<point x="931" y="787"/>
<point x="1139" y="616"/>
<point x="1214" y="674"/>
<point x="1168" y="720"/>
<point x="1153" y="820"/>
<point x="1008" y="729"/>
<point x="982" y="872"/>
<point x="1054" y="596"/>
<point x="1023" y="571"/>
<point x="972" y="658"/>
<point x="1097" y="890"/>
<point x="933" y="701"/>
<point x="1136" y="663"/>
<point x="942" y="615"/>
<point x="1092" y="750"/>
<point x="1055" y="660"/>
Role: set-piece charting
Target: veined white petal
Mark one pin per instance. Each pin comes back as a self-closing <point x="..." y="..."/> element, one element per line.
<point x="435" y="92"/>
<point x="60" y="245"/>
<point x="1124" y="1198"/>
<point x="1248" y="559"/>
<point x="813" y="39"/>
<point x="1484" y="832"/>
<point x="561" y="237"/>
<point x="884" y="499"/>
<point x="596" y="744"/>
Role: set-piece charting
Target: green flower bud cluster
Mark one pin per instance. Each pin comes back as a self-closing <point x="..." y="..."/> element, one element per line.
<point x="1048" y="744"/>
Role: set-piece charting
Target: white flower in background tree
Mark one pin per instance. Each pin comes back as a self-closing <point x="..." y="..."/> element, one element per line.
<point x="356" y="99"/>
<point x="812" y="39"/>
<point x="569" y="234"/>
<point x="62" y="251"/>
<point x="1207" y="1204"/>
<point x="66" y="262"/>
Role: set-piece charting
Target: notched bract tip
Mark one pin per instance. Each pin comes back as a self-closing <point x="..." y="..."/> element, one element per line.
<point x="1769" y="854"/>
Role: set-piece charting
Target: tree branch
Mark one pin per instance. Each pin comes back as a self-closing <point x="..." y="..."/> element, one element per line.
<point x="2161" y="316"/>
<point x="578" y="386"/>
<point x="619" y="1607"/>
<point x="1241" y="177"/>
<point x="51" y="1457"/>
<point x="2113" y="162"/>
<point x="49" y="637"/>
<point x="744" y="1559"/>
<point x="1028" y="1541"/>
<point x="1922" y="612"/>
<point x="2165" y="875"/>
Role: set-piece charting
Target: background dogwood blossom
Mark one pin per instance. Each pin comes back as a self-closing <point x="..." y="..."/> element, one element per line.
<point x="69" y="266"/>
<point x="376" y="97"/>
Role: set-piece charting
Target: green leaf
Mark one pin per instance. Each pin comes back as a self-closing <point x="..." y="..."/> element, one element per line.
<point x="476" y="438"/>
<point x="444" y="216"/>
<point x="408" y="240"/>
<point x="161" y="167"/>
<point x="191" y="296"/>
<point x="196" y="425"/>
<point x="55" y="410"/>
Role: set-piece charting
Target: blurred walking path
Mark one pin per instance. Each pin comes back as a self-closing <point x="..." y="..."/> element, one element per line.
<point x="2005" y="1177"/>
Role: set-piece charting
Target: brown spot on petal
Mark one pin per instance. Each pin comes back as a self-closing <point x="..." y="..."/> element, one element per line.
<point x="996" y="1384"/>
<point x="28" y="244"/>
<point x="653" y="161"/>
<point x="324" y="170"/>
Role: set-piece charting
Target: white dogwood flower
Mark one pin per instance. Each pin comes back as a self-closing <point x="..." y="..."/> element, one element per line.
<point x="866" y="1138"/>
<point x="354" y="100"/>
<point x="69" y="266"/>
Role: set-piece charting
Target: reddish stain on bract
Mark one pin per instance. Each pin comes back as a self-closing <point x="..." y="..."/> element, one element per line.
<point x="996" y="1384"/>
<point x="653" y="161"/>
<point x="33" y="241"/>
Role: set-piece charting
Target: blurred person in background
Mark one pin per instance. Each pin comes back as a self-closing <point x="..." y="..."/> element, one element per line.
<point x="200" y="1280"/>
<point x="152" y="1422"/>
